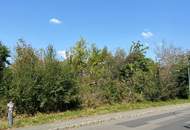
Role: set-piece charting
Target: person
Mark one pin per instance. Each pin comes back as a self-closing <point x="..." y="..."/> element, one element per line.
<point x="10" y="107"/>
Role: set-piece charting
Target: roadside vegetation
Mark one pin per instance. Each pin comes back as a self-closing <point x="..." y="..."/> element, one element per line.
<point x="89" y="80"/>
<point x="42" y="118"/>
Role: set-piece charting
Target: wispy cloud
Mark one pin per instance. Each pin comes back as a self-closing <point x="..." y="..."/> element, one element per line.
<point x="147" y="35"/>
<point x="62" y="53"/>
<point x="55" y="21"/>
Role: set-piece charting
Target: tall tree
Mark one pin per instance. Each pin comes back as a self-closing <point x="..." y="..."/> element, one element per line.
<point x="168" y="57"/>
<point x="26" y="77"/>
<point x="4" y="54"/>
<point x="138" y="72"/>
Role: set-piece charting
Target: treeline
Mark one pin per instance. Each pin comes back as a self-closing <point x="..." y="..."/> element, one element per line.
<point x="37" y="81"/>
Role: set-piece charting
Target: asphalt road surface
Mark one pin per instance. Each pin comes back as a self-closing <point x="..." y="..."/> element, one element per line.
<point x="178" y="120"/>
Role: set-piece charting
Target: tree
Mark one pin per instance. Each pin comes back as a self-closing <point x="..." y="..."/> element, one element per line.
<point x="180" y="75"/>
<point x="4" y="55"/>
<point x="166" y="59"/>
<point x="173" y="78"/>
<point x="38" y="81"/>
<point x="59" y="89"/>
<point x="138" y="73"/>
<point x="25" y="85"/>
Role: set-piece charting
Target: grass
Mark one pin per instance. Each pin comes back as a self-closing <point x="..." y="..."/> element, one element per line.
<point x="23" y="120"/>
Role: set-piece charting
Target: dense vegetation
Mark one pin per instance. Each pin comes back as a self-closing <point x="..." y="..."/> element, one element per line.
<point x="39" y="82"/>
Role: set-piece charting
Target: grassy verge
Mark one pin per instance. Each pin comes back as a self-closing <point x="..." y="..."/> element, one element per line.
<point x="23" y="120"/>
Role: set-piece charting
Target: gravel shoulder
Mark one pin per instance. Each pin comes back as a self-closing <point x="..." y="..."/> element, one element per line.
<point x="129" y="115"/>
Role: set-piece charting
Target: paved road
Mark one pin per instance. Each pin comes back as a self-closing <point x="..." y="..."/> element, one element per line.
<point x="175" y="120"/>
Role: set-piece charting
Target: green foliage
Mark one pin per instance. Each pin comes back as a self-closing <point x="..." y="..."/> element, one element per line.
<point x="24" y="85"/>
<point x="4" y="54"/>
<point x="180" y="75"/>
<point x="173" y="76"/>
<point x="38" y="81"/>
<point x="139" y="72"/>
<point x="58" y="87"/>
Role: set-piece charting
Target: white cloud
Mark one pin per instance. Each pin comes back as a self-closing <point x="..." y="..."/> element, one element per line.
<point x="62" y="53"/>
<point x="147" y="34"/>
<point x="55" y="21"/>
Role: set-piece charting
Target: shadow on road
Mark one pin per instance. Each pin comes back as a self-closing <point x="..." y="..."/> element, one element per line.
<point x="187" y="126"/>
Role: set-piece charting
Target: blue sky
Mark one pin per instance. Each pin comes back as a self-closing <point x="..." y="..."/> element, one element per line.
<point x="111" y="23"/>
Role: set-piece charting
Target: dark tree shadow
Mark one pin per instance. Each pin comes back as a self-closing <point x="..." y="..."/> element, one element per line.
<point x="187" y="126"/>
